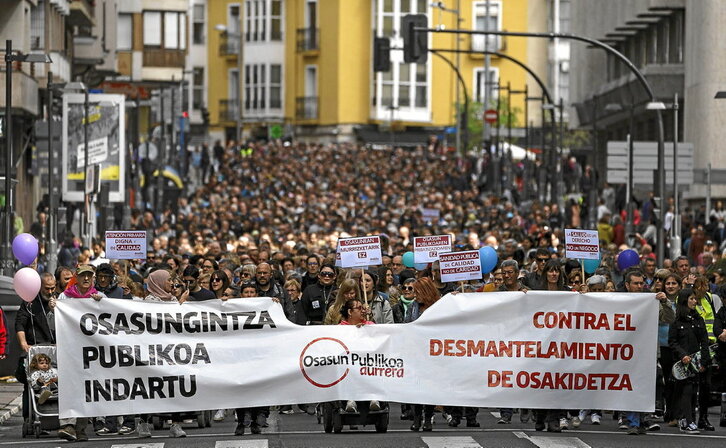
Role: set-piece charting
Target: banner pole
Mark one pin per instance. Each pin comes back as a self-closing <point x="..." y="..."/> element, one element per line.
<point x="462" y="285"/>
<point x="365" y="294"/>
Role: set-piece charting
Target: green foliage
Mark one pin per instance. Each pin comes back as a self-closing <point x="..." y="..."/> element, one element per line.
<point x="475" y="118"/>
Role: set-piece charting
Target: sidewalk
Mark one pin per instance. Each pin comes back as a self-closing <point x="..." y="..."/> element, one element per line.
<point x="11" y="400"/>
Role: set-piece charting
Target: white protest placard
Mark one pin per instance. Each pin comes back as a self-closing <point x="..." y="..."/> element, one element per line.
<point x="582" y="244"/>
<point x="498" y="349"/>
<point x="460" y="266"/>
<point x="97" y="152"/>
<point x="426" y="249"/>
<point x="430" y="214"/>
<point x="359" y="252"/>
<point x="126" y="244"/>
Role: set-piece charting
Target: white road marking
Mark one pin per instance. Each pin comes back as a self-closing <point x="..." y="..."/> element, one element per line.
<point x="558" y="442"/>
<point x="258" y="443"/>
<point x="450" y="442"/>
<point x="139" y="445"/>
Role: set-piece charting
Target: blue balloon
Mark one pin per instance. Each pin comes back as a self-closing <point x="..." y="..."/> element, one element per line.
<point x="488" y="258"/>
<point x="420" y="266"/>
<point x="408" y="259"/>
<point x="591" y="265"/>
<point x="627" y="258"/>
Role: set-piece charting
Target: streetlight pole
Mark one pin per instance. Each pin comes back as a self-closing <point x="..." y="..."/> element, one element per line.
<point x="677" y="209"/>
<point x="52" y="241"/>
<point x="8" y="209"/>
<point x="86" y="202"/>
<point x="240" y="75"/>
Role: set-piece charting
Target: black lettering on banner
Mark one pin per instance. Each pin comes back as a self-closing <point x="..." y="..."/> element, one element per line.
<point x="119" y="389"/>
<point x="85" y="319"/>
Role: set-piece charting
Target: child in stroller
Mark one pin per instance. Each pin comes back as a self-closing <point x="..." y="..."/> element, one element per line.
<point x="44" y="377"/>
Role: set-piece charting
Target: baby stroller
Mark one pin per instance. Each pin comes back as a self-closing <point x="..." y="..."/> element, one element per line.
<point x="334" y="417"/>
<point x="41" y="417"/>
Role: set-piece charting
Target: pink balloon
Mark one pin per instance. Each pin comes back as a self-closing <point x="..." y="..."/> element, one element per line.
<point x="26" y="283"/>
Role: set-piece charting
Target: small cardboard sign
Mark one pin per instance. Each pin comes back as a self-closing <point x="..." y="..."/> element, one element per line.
<point x="460" y="266"/>
<point x="582" y="244"/>
<point x="430" y="214"/>
<point x="426" y="249"/>
<point x="126" y="244"/>
<point x="359" y="252"/>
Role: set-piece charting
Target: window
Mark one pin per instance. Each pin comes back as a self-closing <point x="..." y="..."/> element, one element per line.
<point x="198" y="87"/>
<point x="37" y="26"/>
<point x="169" y="25"/>
<point x="276" y="20"/>
<point x="125" y="32"/>
<point x="489" y="22"/>
<point x="171" y="30"/>
<point x="565" y="16"/>
<point x="405" y="86"/>
<point x="198" y="25"/>
<point x="275" y="86"/>
<point x="152" y="28"/>
<point x="479" y="85"/>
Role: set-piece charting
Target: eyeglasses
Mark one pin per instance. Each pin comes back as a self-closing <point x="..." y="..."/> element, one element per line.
<point x="542" y="260"/>
<point x="407" y="288"/>
<point x="314" y="263"/>
<point x="246" y="274"/>
<point x="356" y="308"/>
<point x="207" y="266"/>
<point x="188" y="282"/>
<point x="177" y="285"/>
<point x="327" y="274"/>
<point x="215" y="280"/>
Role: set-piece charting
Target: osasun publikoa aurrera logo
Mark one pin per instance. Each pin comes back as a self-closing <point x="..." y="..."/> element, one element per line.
<point x="325" y="362"/>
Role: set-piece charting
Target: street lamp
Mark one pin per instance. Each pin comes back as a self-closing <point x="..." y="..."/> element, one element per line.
<point x="10" y="57"/>
<point x="240" y="67"/>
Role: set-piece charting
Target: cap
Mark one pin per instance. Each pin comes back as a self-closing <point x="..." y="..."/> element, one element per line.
<point x="105" y="267"/>
<point x="85" y="268"/>
<point x="709" y="243"/>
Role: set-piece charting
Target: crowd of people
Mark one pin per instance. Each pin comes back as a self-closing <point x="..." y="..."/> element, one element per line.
<point x="266" y="223"/>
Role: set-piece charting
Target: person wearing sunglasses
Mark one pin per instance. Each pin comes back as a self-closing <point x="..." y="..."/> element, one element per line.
<point x="404" y="301"/>
<point x="317" y="298"/>
<point x="190" y="278"/>
<point x="219" y="282"/>
<point x="534" y="278"/>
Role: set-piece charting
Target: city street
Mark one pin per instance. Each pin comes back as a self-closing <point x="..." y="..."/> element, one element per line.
<point x="300" y="430"/>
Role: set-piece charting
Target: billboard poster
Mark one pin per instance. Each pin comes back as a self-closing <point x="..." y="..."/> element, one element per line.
<point x="106" y="143"/>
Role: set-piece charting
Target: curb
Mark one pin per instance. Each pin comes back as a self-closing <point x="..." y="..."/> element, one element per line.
<point x="12" y="408"/>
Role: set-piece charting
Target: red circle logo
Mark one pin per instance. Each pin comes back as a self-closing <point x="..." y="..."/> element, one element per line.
<point x="319" y="359"/>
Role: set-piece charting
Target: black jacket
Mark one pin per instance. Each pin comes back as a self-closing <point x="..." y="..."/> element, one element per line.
<point x="294" y="312"/>
<point x="719" y="324"/>
<point x="316" y="300"/>
<point x="688" y="335"/>
<point x="32" y="318"/>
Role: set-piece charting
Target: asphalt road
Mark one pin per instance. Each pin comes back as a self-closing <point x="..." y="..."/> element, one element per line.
<point x="302" y="430"/>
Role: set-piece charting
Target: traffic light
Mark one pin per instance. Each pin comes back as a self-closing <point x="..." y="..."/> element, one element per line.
<point x="205" y="116"/>
<point x="415" y="43"/>
<point x="381" y="54"/>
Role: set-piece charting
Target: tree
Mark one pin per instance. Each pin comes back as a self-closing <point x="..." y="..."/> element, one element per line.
<point x="475" y="118"/>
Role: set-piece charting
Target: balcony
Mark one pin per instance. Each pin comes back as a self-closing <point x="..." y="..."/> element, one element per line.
<point x="228" y="111"/>
<point x="81" y="13"/>
<point x="24" y="94"/>
<point x="306" y="108"/>
<point x="308" y="39"/>
<point x="159" y="57"/>
<point x="87" y="50"/>
<point x="228" y="44"/>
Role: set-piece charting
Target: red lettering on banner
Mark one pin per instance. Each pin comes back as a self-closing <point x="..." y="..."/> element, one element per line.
<point x="622" y="323"/>
<point x="531" y="349"/>
<point x="560" y="380"/>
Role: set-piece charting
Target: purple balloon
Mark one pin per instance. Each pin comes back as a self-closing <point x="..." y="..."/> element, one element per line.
<point x="628" y="258"/>
<point x="25" y="248"/>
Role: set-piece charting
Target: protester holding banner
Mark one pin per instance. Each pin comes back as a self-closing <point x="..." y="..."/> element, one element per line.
<point x="316" y="298"/>
<point x="688" y="336"/>
<point x="348" y="290"/>
<point x="219" y="281"/>
<point x="106" y="281"/>
<point x="708" y="305"/>
<point x="379" y="307"/>
<point x="404" y="301"/>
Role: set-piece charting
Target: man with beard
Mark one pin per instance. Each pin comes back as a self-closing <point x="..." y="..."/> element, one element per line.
<point x="34" y="325"/>
<point x="266" y="286"/>
<point x="317" y="297"/>
<point x="106" y="282"/>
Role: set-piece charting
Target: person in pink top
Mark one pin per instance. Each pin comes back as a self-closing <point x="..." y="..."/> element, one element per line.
<point x="354" y="313"/>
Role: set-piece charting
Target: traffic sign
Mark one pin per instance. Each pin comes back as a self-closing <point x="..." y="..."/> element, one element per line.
<point x="491" y="116"/>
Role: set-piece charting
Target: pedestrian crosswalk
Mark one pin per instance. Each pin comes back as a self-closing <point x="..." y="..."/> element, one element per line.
<point x="429" y="442"/>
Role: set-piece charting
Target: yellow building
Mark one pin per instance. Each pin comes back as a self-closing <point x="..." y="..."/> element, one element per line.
<point x="322" y="52"/>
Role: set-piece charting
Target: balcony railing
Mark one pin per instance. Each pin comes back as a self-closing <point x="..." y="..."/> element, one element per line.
<point x="228" y="44"/>
<point x="306" y="108"/>
<point x="228" y="110"/>
<point x="308" y="39"/>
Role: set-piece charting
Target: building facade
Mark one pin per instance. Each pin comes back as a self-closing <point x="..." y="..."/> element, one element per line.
<point x="674" y="43"/>
<point x="307" y="65"/>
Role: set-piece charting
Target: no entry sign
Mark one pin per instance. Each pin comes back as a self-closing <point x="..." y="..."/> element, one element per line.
<point x="491" y="116"/>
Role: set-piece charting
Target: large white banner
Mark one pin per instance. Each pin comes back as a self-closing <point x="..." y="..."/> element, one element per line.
<point x="535" y="350"/>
